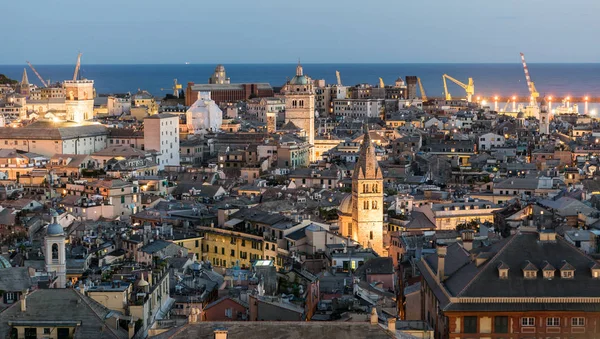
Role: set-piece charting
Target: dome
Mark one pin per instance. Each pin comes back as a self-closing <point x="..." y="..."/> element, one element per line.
<point x="346" y="205"/>
<point x="299" y="80"/>
<point x="54" y="228"/>
<point x="4" y="263"/>
<point x="521" y="115"/>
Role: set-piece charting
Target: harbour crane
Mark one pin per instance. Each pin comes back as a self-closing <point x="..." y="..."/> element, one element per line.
<point x="77" y="65"/>
<point x="423" y="95"/>
<point x="176" y="88"/>
<point x="339" y="79"/>
<point x="533" y="93"/>
<point x="469" y="88"/>
<point x="505" y="106"/>
<point x="381" y="84"/>
<point x="37" y="74"/>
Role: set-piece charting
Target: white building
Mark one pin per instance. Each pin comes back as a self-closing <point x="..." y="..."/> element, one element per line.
<point x="117" y="105"/>
<point x="56" y="259"/>
<point x="161" y="133"/>
<point x="357" y="108"/>
<point x="79" y="99"/>
<point x="490" y="140"/>
<point x="204" y="115"/>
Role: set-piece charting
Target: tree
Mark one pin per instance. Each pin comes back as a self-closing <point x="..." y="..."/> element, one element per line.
<point x="471" y="225"/>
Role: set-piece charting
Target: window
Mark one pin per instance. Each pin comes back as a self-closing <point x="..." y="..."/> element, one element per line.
<point x="233" y="253"/>
<point x="46" y="330"/>
<point x="366" y="205"/>
<point x="501" y="324"/>
<point x="553" y="321"/>
<point x="374" y="205"/>
<point x="567" y="274"/>
<point x="197" y="243"/>
<point x="578" y="321"/>
<point x="216" y="250"/>
<point x="228" y="312"/>
<point x="470" y="324"/>
<point x="223" y="250"/>
<point x="528" y="321"/>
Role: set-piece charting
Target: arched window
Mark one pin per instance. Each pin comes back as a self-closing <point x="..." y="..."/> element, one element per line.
<point x="294" y="103"/>
<point x="301" y="103"/>
<point x="366" y="204"/>
<point x="365" y="188"/>
<point x="374" y="205"/>
<point x="371" y="235"/>
<point x="54" y="251"/>
<point x="375" y="188"/>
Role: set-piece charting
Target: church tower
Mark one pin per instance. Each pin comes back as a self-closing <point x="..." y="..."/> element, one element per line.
<point x="24" y="88"/>
<point x="56" y="261"/>
<point x="367" y="198"/>
<point x="544" y="118"/>
<point x="300" y="105"/>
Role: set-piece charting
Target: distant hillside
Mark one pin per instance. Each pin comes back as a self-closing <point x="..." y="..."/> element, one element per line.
<point x="4" y="80"/>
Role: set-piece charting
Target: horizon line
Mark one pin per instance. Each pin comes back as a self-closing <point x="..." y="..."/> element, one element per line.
<point x="308" y="63"/>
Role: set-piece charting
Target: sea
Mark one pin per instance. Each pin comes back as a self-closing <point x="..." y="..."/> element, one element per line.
<point x="507" y="79"/>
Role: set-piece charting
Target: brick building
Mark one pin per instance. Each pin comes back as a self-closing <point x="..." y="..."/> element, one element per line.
<point x="227" y="92"/>
<point x="530" y="285"/>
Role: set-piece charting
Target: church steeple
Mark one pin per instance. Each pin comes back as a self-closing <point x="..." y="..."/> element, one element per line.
<point x="367" y="166"/>
<point x="24" y="79"/>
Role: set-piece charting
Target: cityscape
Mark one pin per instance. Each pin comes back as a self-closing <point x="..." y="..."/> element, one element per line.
<point x="300" y="207"/>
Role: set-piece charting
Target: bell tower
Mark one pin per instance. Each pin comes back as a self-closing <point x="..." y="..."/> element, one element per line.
<point x="544" y="118"/>
<point x="300" y="105"/>
<point x="367" y="198"/>
<point x="56" y="261"/>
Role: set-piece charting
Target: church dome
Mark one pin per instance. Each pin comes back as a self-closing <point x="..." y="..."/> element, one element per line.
<point x="54" y="228"/>
<point x="299" y="80"/>
<point x="346" y="205"/>
<point x="521" y="115"/>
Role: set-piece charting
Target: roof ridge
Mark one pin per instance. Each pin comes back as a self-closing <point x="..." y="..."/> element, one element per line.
<point x="485" y="266"/>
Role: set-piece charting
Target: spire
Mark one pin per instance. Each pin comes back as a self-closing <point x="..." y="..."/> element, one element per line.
<point x="299" y="71"/>
<point x="367" y="166"/>
<point x="24" y="79"/>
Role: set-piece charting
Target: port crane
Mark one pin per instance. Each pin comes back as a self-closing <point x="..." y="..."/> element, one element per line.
<point x="505" y="106"/>
<point x="339" y="79"/>
<point x="37" y="74"/>
<point x="469" y="87"/>
<point x="77" y="66"/>
<point x="423" y="95"/>
<point x="176" y="88"/>
<point x="381" y="84"/>
<point x="533" y="93"/>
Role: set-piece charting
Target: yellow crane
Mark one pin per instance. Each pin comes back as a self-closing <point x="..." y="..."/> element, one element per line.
<point x="381" y="84"/>
<point x="176" y="88"/>
<point x="339" y="79"/>
<point x="77" y="67"/>
<point x="423" y="95"/>
<point x="469" y="88"/>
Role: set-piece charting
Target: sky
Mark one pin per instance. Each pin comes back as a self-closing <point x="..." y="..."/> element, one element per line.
<point x="315" y="31"/>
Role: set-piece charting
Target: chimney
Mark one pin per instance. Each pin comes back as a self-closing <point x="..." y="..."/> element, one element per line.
<point x="130" y="330"/>
<point x="392" y="325"/>
<point x="220" y="334"/>
<point x="23" y="303"/>
<point x="467" y="239"/>
<point x="441" y="261"/>
<point x="374" y="317"/>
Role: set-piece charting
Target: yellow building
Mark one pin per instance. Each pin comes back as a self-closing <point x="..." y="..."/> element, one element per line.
<point x="226" y="248"/>
<point x="193" y="244"/>
<point x="448" y="216"/>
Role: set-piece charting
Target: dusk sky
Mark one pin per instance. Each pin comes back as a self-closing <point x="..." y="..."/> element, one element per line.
<point x="316" y="31"/>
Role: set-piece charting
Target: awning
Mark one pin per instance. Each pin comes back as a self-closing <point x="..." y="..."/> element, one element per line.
<point x="231" y="223"/>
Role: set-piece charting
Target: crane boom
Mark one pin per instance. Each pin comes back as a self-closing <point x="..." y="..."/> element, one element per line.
<point x="469" y="87"/>
<point x="447" y="94"/>
<point x="381" y="84"/>
<point x="77" y="67"/>
<point x="506" y="106"/>
<point x="37" y="74"/>
<point x="423" y="95"/>
<point x="339" y="79"/>
<point x="533" y="94"/>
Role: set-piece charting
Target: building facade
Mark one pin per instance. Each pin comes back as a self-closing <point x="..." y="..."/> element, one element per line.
<point x="161" y="133"/>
